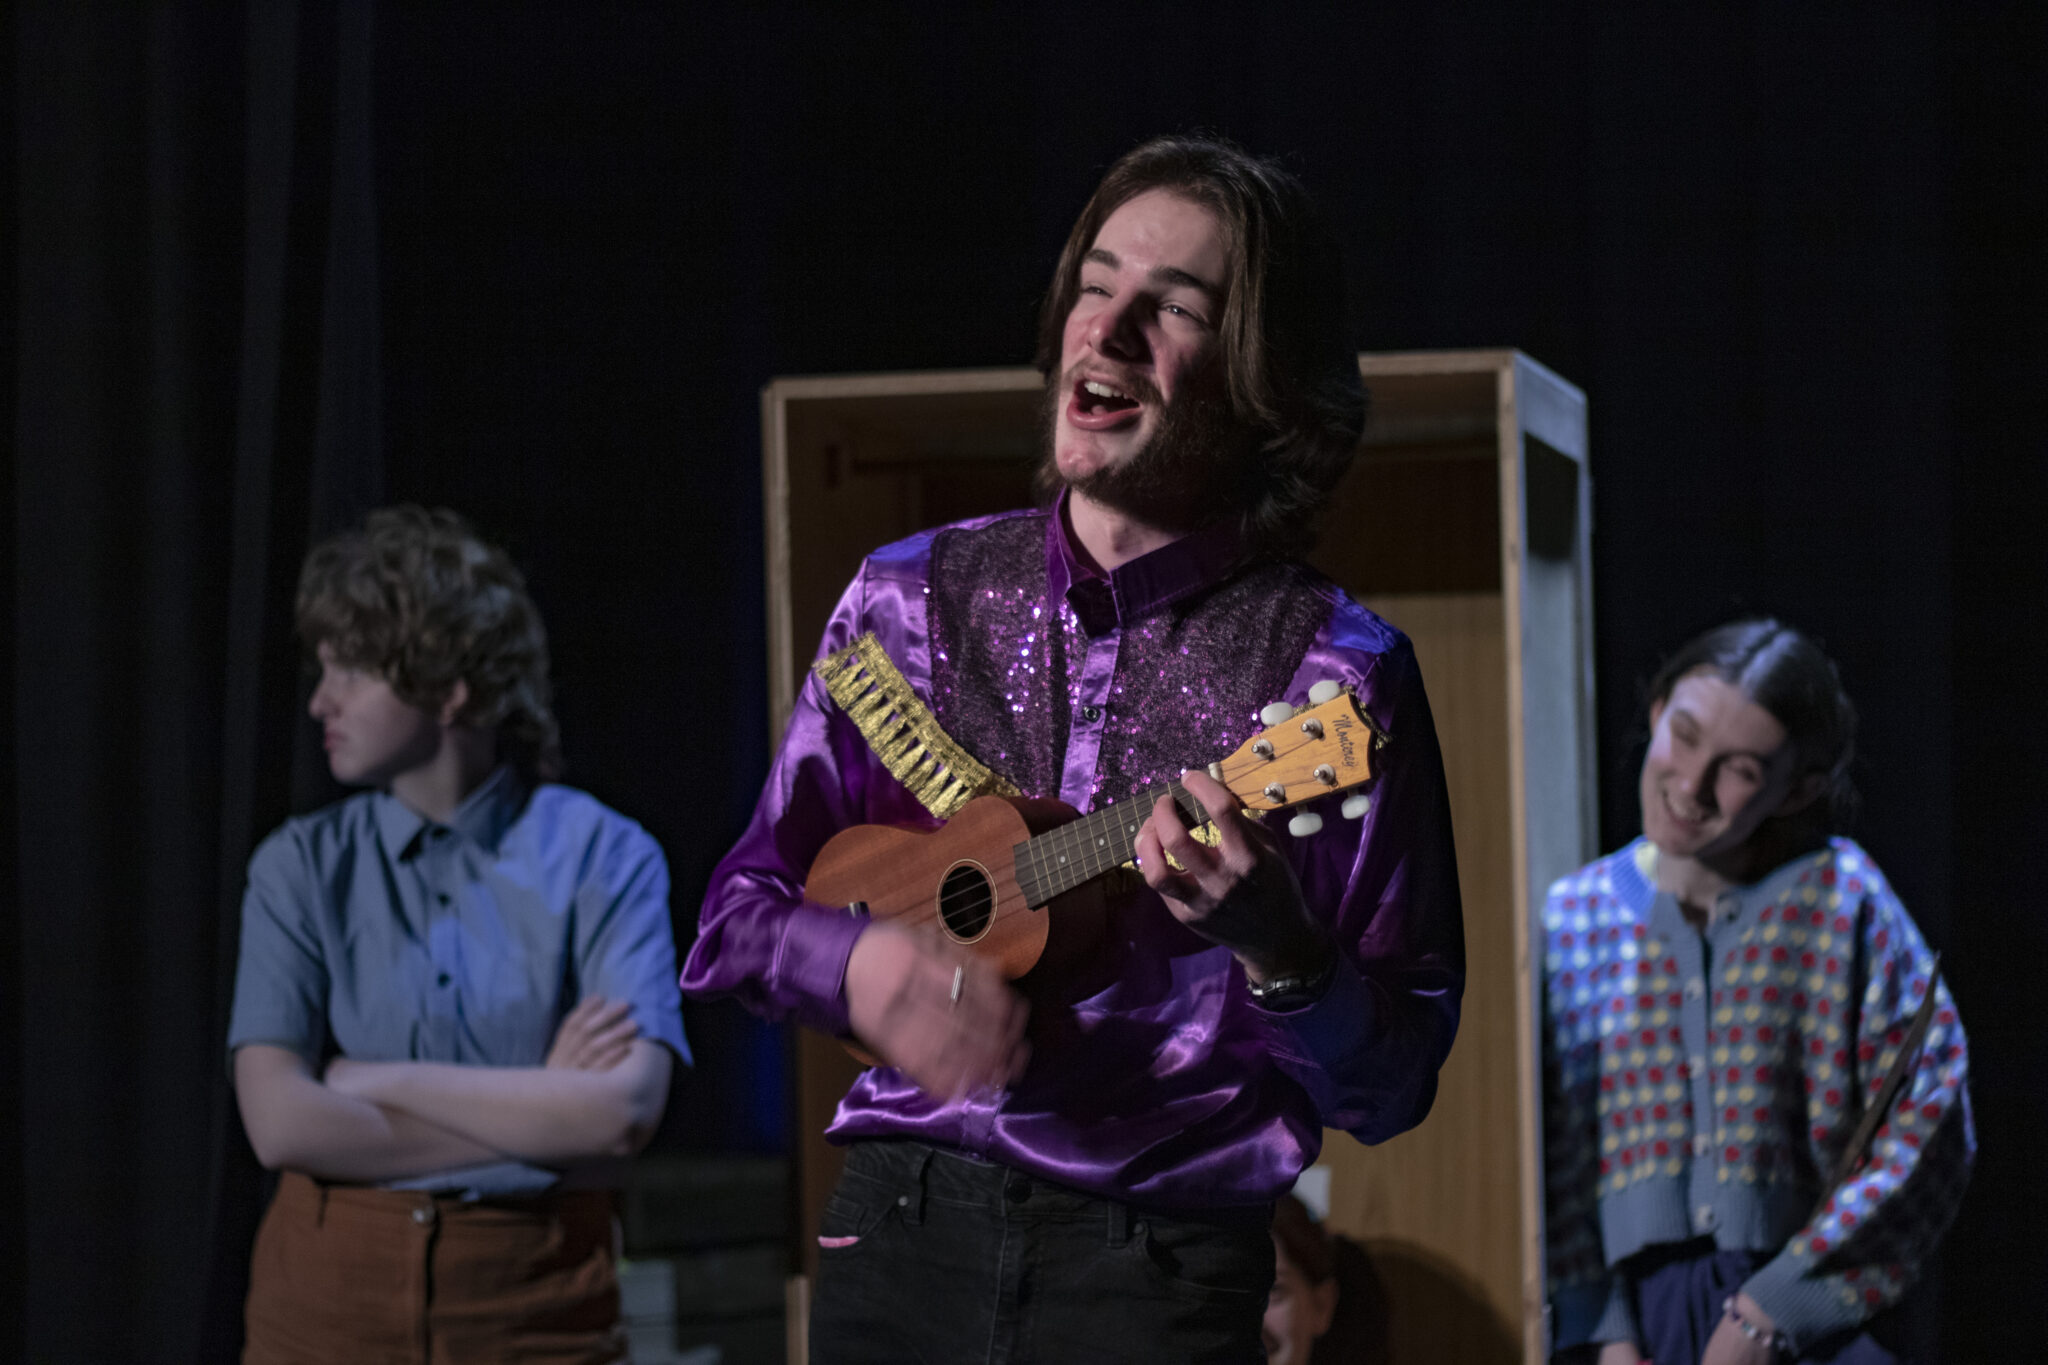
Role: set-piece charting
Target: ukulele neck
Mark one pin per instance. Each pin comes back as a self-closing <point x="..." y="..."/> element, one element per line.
<point x="1059" y="860"/>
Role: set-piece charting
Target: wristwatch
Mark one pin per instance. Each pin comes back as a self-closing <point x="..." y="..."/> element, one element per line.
<point x="1285" y="994"/>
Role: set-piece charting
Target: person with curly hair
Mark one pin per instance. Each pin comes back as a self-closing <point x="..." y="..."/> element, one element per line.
<point x="1756" y="1116"/>
<point x="455" y="1012"/>
<point x="1082" y="1166"/>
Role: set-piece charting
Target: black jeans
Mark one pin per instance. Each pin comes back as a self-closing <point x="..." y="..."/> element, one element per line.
<point x="925" y="1255"/>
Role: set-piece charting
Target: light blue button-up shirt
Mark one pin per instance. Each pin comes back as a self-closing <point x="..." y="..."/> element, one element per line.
<point x="372" y="932"/>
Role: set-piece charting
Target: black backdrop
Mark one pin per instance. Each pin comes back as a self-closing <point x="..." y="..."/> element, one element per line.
<point x="277" y="263"/>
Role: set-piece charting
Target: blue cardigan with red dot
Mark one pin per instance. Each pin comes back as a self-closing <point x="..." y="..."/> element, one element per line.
<point x="1705" y="1082"/>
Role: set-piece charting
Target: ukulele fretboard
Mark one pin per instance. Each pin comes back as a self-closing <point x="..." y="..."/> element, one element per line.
<point x="1061" y="859"/>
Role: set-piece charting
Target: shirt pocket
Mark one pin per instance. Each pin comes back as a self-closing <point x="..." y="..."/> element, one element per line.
<point x="1209" y="1264"/>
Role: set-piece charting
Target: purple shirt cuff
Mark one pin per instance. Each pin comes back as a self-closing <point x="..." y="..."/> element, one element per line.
<point x="810" y="965"/>
<point x="1331" y="1033"/>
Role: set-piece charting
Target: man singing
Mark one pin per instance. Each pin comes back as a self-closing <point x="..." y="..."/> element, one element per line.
<point x="1081" y="1166"/>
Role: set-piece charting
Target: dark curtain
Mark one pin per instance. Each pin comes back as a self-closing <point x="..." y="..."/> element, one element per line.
<point x="195" y="393"/>
<point x="1998" y="64"/>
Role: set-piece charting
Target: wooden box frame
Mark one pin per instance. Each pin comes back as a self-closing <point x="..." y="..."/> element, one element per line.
<point x="1467" y="522"/>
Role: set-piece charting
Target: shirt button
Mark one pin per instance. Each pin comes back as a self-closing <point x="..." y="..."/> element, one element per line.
<point x="1091" y="713"/>
<point x="1695" y="988"/>
<point x="1703" y="1217"/>
<point x="441" y="896"/>
<point x="423" y="1215"/>
<point x="442" y="980"/>
<point x="1017" y="1191"/>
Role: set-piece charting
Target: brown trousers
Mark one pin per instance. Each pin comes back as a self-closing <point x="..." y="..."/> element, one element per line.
<point x="395" y="1277"/>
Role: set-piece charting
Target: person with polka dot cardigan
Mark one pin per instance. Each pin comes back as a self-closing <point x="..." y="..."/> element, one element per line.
<point x="1723" y="998"/>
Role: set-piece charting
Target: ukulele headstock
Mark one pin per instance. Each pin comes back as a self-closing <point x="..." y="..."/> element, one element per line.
<point x="1326" y="746"/>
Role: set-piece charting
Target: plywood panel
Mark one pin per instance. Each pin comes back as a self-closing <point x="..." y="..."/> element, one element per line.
<point x="1412" y="519"/>
<point x="854" y="462"/>
<point x="1546" y="552"/>
<point x="1437" y="1207"/>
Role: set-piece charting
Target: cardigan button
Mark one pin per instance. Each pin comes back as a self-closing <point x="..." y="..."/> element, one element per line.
<point x="1695" y="988"/>
<point x="1703" y="1218"/>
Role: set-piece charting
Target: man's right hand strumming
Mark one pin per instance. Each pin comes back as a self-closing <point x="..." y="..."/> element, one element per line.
<point x="948" y="1021"/>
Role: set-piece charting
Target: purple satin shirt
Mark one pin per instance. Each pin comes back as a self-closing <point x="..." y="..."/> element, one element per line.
<point x="1154" y="1076"/>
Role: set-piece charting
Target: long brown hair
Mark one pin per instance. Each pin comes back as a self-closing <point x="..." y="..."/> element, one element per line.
<point x="419" y="599"/>
<point x="1290" y="371"/>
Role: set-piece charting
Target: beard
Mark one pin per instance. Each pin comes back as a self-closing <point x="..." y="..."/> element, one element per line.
<point x="1199" y="466"/>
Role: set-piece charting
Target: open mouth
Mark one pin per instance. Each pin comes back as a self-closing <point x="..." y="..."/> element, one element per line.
<point x="1098" y="404"/>
<point x="1695" y="820"/>
<point x="1094" y="397"/>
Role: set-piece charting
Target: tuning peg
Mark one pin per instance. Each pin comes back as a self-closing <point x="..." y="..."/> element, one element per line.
<point x="1326" y="690"/>
<point x="1304" y="824"/>
<point x="1356" y="805"/>
<point x="1276" y="714"/>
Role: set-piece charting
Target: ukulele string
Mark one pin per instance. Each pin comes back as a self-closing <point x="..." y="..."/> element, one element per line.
<point x="1064" y="858"/>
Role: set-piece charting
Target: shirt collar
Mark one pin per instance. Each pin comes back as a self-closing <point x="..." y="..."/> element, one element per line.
<point x="484" y="815"/>
<point x="1140" y="587"/>
<point x="1633" y="873"/>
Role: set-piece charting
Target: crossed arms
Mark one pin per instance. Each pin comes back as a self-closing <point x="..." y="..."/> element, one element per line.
<point x="600" y="1094"/>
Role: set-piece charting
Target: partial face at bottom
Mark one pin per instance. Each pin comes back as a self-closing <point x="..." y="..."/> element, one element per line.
<point x="1297" y="1311"/>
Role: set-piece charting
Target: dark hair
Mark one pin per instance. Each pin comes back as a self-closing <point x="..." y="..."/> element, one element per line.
<point x="1290" y="371"/>
<point x="1302" y="1238"/>
<point x="1785" y="671"/>
<point x="419" y="599"/>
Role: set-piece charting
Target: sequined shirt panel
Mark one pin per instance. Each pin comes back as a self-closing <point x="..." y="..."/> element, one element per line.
<point x="1000" y="676"/>
<point x="1010" y="662"/>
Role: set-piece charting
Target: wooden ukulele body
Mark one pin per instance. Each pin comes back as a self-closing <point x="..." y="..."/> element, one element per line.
<point x="960" y="881"/>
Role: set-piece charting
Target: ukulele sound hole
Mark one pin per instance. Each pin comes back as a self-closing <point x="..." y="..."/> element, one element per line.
<point x="967" y="900"/>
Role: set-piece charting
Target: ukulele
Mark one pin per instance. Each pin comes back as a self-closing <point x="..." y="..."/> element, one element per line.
<point x="1016" y="879"/>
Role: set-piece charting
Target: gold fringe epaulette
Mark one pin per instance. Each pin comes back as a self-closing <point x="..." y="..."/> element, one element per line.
<point x="904" y="734"/>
